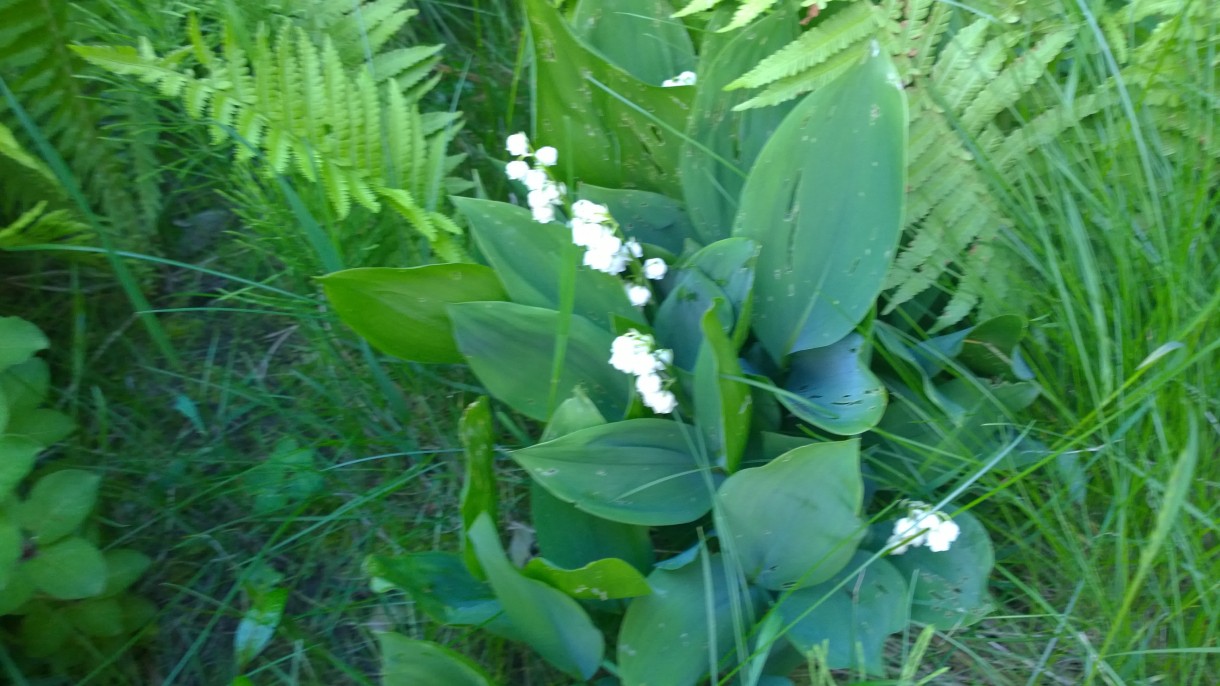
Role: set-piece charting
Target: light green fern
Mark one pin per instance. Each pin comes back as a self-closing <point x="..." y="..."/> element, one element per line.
<point x="35" y="197"/>
<point x="44" y="77"/>
<point x="298" y="107"/>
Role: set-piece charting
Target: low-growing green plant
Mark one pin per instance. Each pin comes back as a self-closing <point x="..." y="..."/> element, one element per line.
<point x="707" y="491"/>
<point x="63" y="600"/>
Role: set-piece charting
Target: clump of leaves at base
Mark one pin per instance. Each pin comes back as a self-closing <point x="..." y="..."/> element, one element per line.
<point x="64" y="602"/>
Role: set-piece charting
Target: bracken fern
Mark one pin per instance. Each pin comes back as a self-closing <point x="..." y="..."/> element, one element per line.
<point x="352" y="130"/>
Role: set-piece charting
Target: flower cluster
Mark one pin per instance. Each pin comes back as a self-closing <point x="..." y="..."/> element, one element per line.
<point x="686" y="78"/>
<point x="592" y="226"/>
<point x="636" y="353"/>
<point x="923" y="526"/>
<point x="545" y="194"/>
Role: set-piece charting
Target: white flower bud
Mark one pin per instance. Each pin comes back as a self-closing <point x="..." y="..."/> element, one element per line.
<point x="655" y="268"/>
<point x="516" y="170"/>
<point x="546" y="156"/>
<point x="638" y="295"/>
<point x="517" y="145"/>
<point x="634" y="247"/>
<point x="544" y="214"/>
<point x="649" y="384"/>
<point x="535" y="179"/>
<point x="663" y="402"/>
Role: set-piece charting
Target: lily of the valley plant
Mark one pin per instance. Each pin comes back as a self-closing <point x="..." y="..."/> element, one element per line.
<point x="704" y="392"/>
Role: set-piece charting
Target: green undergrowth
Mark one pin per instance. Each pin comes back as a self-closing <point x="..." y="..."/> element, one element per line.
<point x="1107" y="549"/>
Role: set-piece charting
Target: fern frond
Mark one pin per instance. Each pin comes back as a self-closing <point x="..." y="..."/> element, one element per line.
<point x="296" y="104"/>
<point x="696" y="6"/>
<point x="87" y="132"/>
<point x="855" y="23"/>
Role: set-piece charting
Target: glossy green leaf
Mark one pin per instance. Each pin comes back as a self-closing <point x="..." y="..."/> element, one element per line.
<point x="854" y="619"/>
<point x="11" y="548"/>
<point x="729" y="263"/>
<point x="573" y="414"/>
<point x="549" y="621"/>
<point x="68" y="570"/>
<point x="258" y="624"/>
<point x="611" y="129"/>
<point x="605" y="579"/>
<point x="530" y="257"/>
<point x="44" y="631"/>
<point x="990" y="349"/>
<point x="101" y="617"/>
<point x="825" y="202"/>
<point x="510" y="348"/>
<point x="647" y="217"/>
<point x="123" y="568"/>
<point x="403" y="312"/>
<point x="42" y="425"/>
<point x="638" y="36"/>
<point x="17" y="455"/>
<point x="440" y="585"/>
<point x="934" y="446"/>
<point x="671" y="636"/>
<point x="58" y="504"/>
<point x="949" y="589"/>
<point x="723" y="144"/>
<point x="639" y="471"/>
<point x="572" y="538"/>
<point x="479" y="485"/>
<point x="679" y="320"/>
<point x="19" y="340"/>
<point x="25" y="385"/>
<point x="724" y="406"/>
<point x="410" y="662"/>
<point x="833" y="388"/>
<point x="795" y="522"/>
<point x="16" y="592"/>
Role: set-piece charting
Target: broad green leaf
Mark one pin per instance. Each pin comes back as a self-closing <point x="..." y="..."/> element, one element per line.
<point x="549" y="621"/>
<point x="403" y="312"/>
<point x="138" y="612"/>
<point x="825" y="203"/>
<point x="611" y="129"/>
<point x="530" y="257"/>
<point x="837" y="392"/>
<point x="935" y="447"/>
<point x="729" y="263"/>
<point x="479" y="485"/>
<point x="605" y="579"/>
<point x="671" y="636"/>
<point x="258" y="624"/>
<point x="25" y="385"/>
<point x="639" y="471"/>
<point x="637" y="36"/>
<point x="723" y="144"/>
<point x="572" y="538"/>
<point x="68" y="570"/>
<point x="855" y="618"/>
<point x="679" y="320"/>
<point x="410" y="662"/>
<point x="990" y="349"/>
<point x="949" y="589"/>
<point x="510" y="348"/>
<point x="100" y="617"/>
<point x="724" y="406"/>
<point x="17" y="455"/>
<point x="4" y="412"/>
<point x="44" y="426"/>
<point x="44" y="631"/>
<point x="441" y="586"/>
<point x="795" y="522"/>
<point x="647" y="217"/>
<point x="58" y="504"/>
<point x="123" y="568"/>
<point x="11" y="549"/>
<point x="19" y="340"/>
<point x="289" y="476"/>
<point x="573" y="414"/>
<point x="17" y="592"/>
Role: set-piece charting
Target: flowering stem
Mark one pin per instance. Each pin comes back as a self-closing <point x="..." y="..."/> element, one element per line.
<point x="567" y="303"/>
